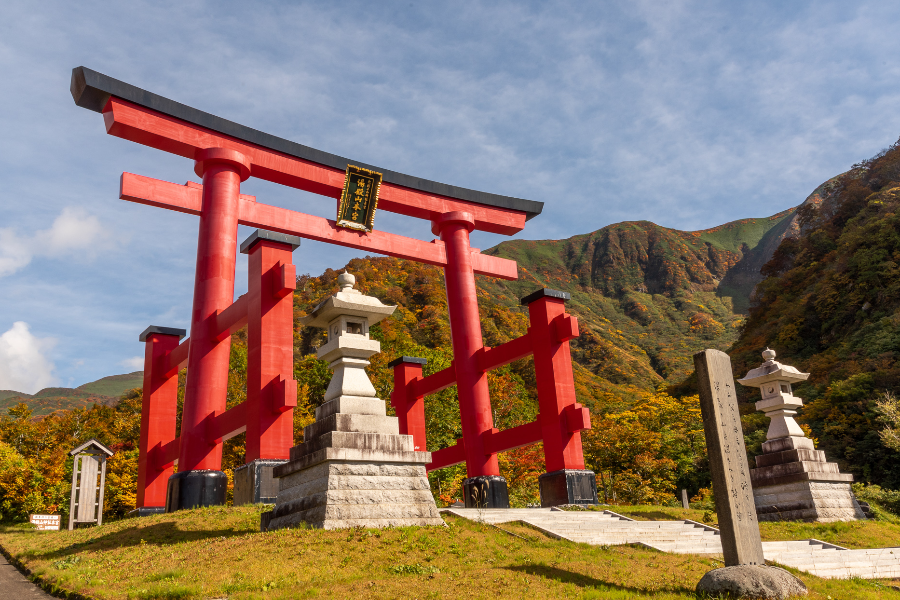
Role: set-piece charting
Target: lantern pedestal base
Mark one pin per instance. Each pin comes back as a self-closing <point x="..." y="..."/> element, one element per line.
<point x="192" y="489"/>
<point x="486" y="491"/>
<point x="355" y="470"/>
<point x="794" y="482"/>
<point x="568" y="486"/>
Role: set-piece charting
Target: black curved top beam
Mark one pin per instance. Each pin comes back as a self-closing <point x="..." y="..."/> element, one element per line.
<point x="91" y="90"/>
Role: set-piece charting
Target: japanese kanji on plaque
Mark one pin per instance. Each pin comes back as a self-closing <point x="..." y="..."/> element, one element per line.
<point x="359" y="199"/>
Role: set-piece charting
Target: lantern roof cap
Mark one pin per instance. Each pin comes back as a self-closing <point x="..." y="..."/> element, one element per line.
<point x="88" y="446"/>
<point x="348" y="301"/>
<point x="772" y="370"/>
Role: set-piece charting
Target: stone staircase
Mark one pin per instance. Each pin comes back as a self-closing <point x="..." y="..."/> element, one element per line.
<point x="688" y="537"/>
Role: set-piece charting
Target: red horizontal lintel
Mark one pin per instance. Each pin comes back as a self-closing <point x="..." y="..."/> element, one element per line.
<point x="231" y="319"/>
<point x="434" y="383"/>
<point x="227" y="424"/>
<point x="151" y="128"/>
<point x="565" y="328"/>
<point x="491" y="358"/>
<point x="188" y="199"/>
<point x="447" y="457"/>
<point x="177" y="358"/>
<point x="516" y="437"/>
<point x="164" y="456"/>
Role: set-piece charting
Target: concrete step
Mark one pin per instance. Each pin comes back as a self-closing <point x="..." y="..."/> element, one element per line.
<point x="687" y="537"/>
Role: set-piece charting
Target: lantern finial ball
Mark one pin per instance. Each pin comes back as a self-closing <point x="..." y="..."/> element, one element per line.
<point x="768" y="354"/>
<point x="346" y="281"/>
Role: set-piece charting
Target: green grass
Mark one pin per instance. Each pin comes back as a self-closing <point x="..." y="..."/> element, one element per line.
<point x="219" y="552"/>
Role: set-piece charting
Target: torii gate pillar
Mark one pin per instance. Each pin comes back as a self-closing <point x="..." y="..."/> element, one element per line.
<point x="199" y="482"/>
<point x="484" y="482"/>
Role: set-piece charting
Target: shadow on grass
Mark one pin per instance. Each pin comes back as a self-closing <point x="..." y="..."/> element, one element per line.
<point x="583" y="581"/>
<point x="159" y="534"/>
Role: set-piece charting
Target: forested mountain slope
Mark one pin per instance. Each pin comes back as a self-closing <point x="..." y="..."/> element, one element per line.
<point x="830" y="305"/>
<point x="647" y="297"/>
<point x="104" y="391"/>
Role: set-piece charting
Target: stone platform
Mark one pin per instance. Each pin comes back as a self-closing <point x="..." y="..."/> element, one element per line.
<point x="794" y="482"/>
<point x="356" y="470"/>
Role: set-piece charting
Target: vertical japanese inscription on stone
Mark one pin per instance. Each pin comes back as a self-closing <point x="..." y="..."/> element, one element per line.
<point x="735" y="507"/>
<point x="359" y="199"/>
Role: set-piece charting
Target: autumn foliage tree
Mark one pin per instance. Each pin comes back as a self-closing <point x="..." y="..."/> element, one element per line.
<point x="642" y="455"/>
<point x="35" y="466"/>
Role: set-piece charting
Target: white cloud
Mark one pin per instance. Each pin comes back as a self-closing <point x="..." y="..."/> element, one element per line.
<point x="135" y="362"/>
<point x="23" y="364"/>
<point x="15" y="252"/>
<point x="73" y="229"/>
<point x="73" y="233"/>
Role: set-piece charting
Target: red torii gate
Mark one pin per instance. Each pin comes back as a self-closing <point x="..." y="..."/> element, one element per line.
<point x="224" y="155"/>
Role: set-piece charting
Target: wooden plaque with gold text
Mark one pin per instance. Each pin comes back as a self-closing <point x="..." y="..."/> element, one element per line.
<point x="359" y="199"/>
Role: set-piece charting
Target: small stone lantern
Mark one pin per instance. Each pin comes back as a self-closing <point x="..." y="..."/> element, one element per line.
<point x="793" y="480"/>
<point x="347" y="316"/>
<point x="353" y="469"/>
<point x="774" y="382"/>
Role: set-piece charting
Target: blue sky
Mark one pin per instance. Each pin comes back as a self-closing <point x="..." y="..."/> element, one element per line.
<point x="687" y="114"/>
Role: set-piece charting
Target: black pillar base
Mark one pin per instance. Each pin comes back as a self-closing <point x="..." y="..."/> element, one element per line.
<point x="254" y="482"/>
<point x="486" y="491"/>
<point x="191" y="489"/>
<point x="568" y="486"/>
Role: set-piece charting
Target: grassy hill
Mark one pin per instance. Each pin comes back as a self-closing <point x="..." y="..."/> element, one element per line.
<point x="219" y="552"/>
<point x="103" y="391"/>
<point x="114" y="385"/>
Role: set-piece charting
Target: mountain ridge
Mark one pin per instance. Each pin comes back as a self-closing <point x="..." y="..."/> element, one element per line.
<point x="105" y="390"/>
<point x="647" y="297"/>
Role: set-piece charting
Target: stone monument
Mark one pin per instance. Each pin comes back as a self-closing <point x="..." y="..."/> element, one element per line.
<point x="353" y="469"/>
<point x="88" y="483"/>
<point x="745" y="573"/>
<point x="728" y="465"/>
<point x="793" y="480"/>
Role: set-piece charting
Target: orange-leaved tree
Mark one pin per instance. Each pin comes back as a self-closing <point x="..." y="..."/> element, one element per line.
<point x="642" y="454"/>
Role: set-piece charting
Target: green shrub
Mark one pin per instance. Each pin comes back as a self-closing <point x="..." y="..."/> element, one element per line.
<point x="888" y="500"/>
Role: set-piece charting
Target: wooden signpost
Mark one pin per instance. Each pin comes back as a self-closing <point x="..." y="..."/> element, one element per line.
<point x="735" y="507"/>
<point x="88" y="483"/>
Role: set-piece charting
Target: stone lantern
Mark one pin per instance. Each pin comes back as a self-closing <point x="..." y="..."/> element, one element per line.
<point x="353" y="469"/>
<point x="793" y="480"/>
<point x="774" y="382"/>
